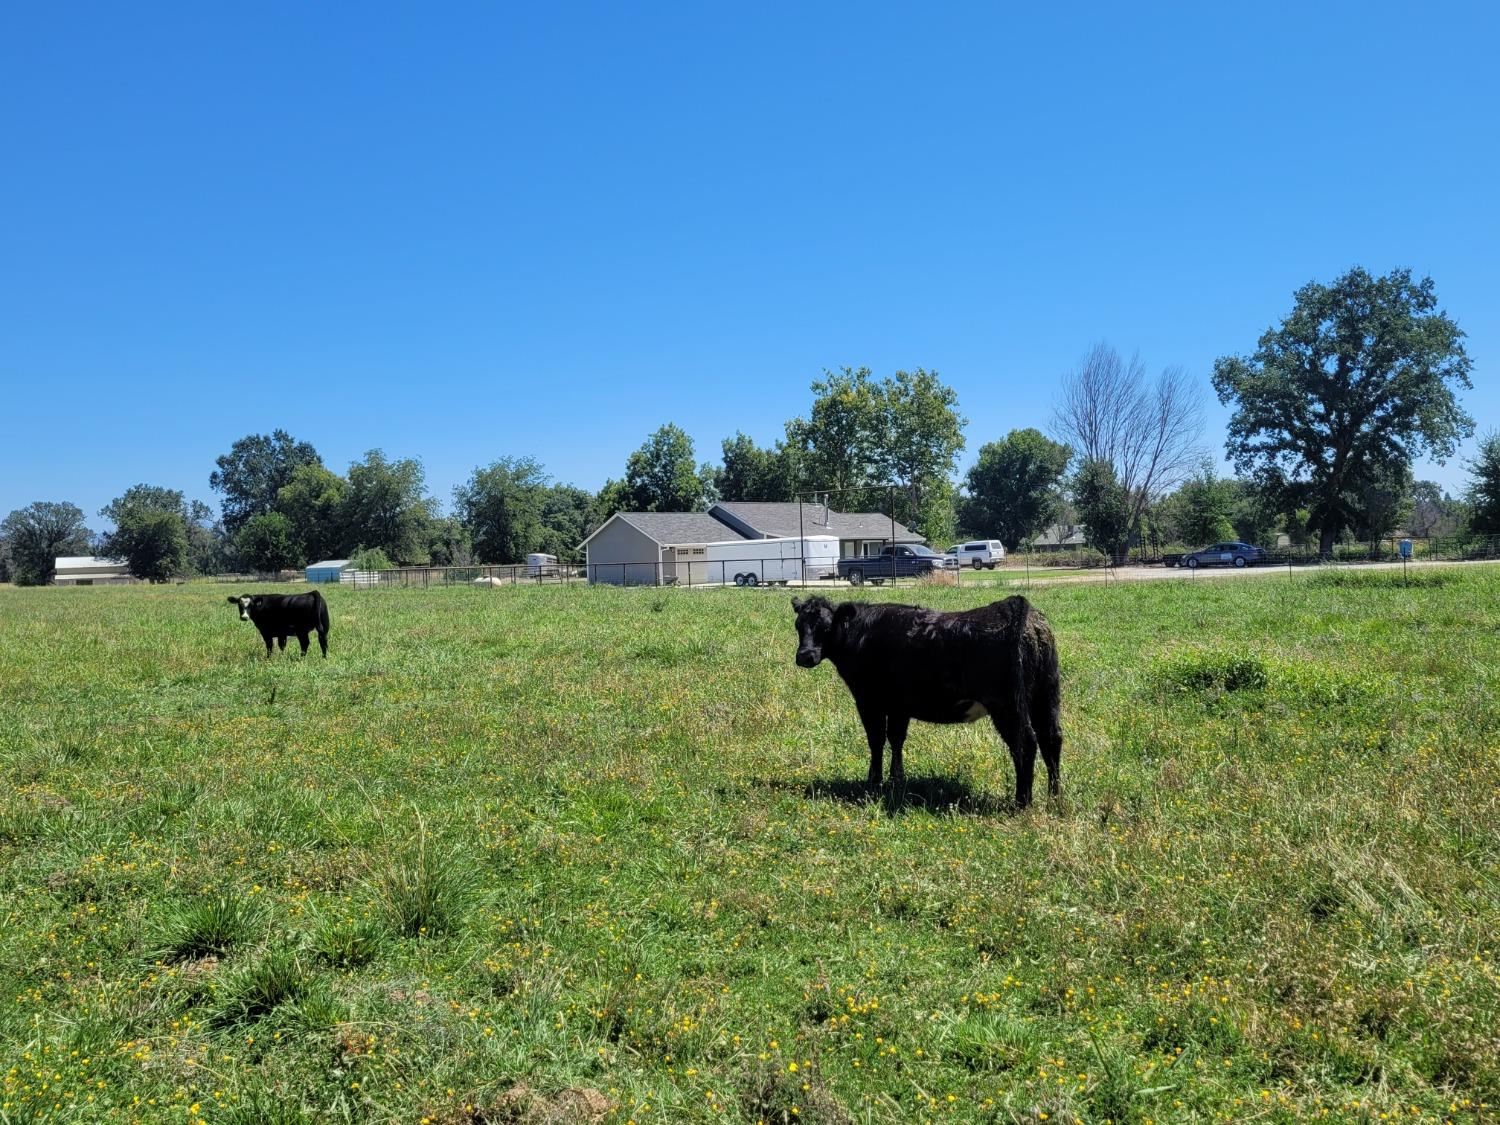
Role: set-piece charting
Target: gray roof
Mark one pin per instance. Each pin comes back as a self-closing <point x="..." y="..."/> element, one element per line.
<point x="1058" y="535"/>
<point x="680" y="527"/>
<point x="329" y="564"/>
<point x="781" y="519"/>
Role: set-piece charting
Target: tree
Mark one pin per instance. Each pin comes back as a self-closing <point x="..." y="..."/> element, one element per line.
<point x="923" y="436"/>
<point x="565" y="516"/>
<point x="752" y="473"/>
<point x="372" y="558"/>
<point x="5" y="570"/>
<point x="254" y="471"/>
<point x="1484" y="486"/>
<point x="1201" y="510"/>
<point x="613" y="497"/>
<point x="1361" y="375"/>
<point x="449" y="543"/>
<point x="1146" y="430"/>
<point x="838" y="443"/>
<point x="388" y="507"/>
<point x="151" y="531"/>
<point x="662" y="476"/>
<point x="37" y="534"/>
<point x="1379" y="501"/>
<point x="1104" y="507"/>
<point x="1014" y="487"/>
<point x="267" y="544"/>
<point x="862" y="435"/>
<point x="315" y="501"/>
<point x="501" y="506"/>
<point x="208" y="550"/>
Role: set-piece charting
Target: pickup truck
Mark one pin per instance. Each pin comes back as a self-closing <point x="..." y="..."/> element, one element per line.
<point x="904" y="560"/>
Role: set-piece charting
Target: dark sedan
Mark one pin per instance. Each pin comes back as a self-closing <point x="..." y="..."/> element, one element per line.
<point x="1225" y="554"/>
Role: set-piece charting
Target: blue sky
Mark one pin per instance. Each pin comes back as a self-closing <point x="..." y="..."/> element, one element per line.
<point x="461" y="232"/>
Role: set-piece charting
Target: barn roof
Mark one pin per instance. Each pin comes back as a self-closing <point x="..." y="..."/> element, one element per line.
<point x="78" y="562"/>
<point x="329" y="564"/>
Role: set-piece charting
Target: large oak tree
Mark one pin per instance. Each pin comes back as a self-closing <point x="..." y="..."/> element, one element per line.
<point x="1360" y="377"/>
<point x="37" y="534"/>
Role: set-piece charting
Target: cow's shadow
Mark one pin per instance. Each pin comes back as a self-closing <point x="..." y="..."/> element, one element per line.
<point x="929" y="792"/>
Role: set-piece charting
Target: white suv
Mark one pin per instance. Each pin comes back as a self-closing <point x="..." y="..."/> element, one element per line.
<point x="979" y="553"/>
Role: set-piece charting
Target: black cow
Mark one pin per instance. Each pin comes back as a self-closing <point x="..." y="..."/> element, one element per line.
<point x="902" y="662"/>
<point x="279" y="616"/>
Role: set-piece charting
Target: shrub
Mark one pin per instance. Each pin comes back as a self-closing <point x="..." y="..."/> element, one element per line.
<point x="372" y="558"/>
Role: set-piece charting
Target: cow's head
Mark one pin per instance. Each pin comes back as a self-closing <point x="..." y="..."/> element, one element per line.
<point x="818" y="621"/>
<point x="245" y="602"/>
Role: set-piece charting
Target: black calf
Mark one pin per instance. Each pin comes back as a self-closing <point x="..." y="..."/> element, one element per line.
<point x="902" y="662"/>
<point x="279" y="616"/>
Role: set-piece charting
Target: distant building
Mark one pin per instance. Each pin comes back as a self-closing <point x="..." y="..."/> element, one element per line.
<point x="329" y="570"/>
<point x="87" y="570"/>
<point x="639" y="548"/>
<point x="1060" y="537"/>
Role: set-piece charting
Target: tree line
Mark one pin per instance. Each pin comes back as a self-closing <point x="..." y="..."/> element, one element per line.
<point x="1328" y="414"/>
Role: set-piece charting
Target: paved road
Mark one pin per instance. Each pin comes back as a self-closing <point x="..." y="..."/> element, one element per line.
<point x="1039" y="576"/>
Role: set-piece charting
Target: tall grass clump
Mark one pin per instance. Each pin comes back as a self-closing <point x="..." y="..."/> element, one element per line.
<point x="208" y="928"/>
<point x="258" y="989"/>
<point x="424" y="890"/>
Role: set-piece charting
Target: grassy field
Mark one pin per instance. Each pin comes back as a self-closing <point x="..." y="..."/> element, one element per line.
<point x="571" y="854"/>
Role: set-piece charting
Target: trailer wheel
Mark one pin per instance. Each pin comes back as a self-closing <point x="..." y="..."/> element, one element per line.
<point x="751" y="580"/>
<point x="856" y="578"/>
<point x="739" y="579"/>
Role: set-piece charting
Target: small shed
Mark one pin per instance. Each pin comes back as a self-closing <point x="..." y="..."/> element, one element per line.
<point x="329" y="570"/>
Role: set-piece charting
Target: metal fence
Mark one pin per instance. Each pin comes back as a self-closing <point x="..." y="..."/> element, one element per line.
<point x="782" y="571"/>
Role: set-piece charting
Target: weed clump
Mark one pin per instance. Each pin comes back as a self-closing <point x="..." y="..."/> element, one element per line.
<point x="781" y="1097"/>
<point x="348" y="944"/>
<point x="1209" y="671"/>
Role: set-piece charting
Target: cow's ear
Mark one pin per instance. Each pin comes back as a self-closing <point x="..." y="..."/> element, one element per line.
<point x="232" y="599"/>
<point x="797" y="603"/>
<point x="845" y="612"/>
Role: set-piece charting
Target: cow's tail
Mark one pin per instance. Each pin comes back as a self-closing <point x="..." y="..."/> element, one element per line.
<point x="322" y="613"/>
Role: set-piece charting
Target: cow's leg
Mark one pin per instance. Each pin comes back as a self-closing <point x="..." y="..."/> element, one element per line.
<point x="302" y="640"/>
<point x="874" y="720"/>
<point x="281" y="641"/>
<point x="896" y="728"/>
<point x="270" y="644"/>
<point x="1015" y="728"/>
<point x="1048" y="727"/>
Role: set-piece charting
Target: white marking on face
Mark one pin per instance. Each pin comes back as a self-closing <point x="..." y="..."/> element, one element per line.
<point x="975" y="711"/>
<point x="244" y="609"/>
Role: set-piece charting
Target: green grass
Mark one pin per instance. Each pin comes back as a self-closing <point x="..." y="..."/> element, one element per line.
<point x="560" y="854"/>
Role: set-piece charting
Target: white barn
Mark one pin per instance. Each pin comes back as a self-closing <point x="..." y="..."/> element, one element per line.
<point x="88" y="570"/>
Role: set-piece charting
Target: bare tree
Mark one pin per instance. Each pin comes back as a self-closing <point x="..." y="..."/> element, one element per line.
<point x="1147" y="429"/>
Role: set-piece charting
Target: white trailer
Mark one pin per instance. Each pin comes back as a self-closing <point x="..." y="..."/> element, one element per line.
<point x="751" y="562"/>
<point x="540" y="565"/>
